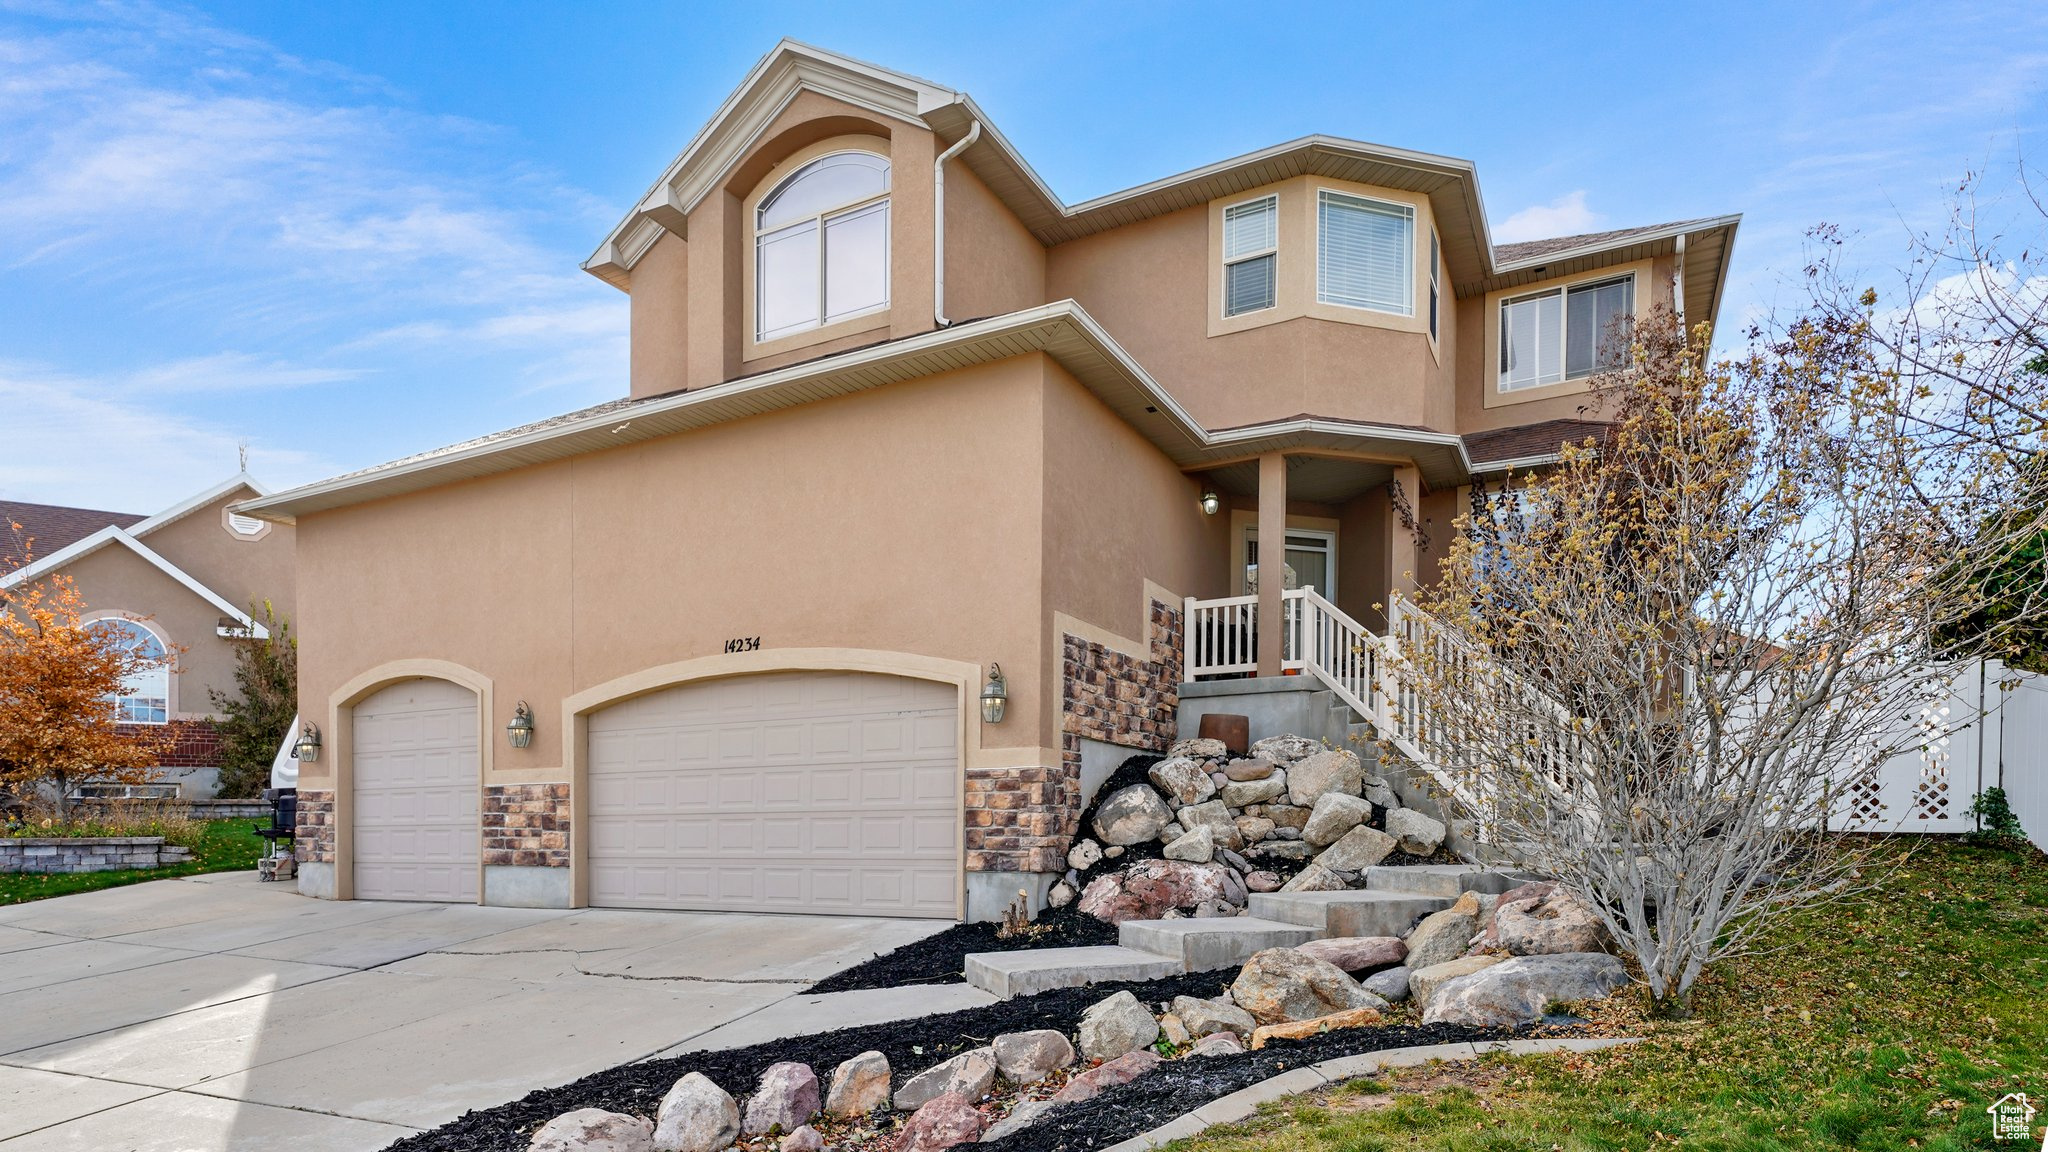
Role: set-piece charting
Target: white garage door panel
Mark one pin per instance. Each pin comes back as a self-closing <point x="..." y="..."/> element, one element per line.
<point x="415" y="762"/>
<point x="787" y="792"/>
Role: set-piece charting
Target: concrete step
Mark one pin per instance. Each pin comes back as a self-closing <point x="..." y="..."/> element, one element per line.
<point x="1363" y="913"/>
<point x="1213" y="942"/>
<point x="1447" y="880"/>
<point x="1007" y="974"/>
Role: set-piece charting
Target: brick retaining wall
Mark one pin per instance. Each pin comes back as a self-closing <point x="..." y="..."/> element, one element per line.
<point x="526" y="825"/>
<point x="87" y="853"/>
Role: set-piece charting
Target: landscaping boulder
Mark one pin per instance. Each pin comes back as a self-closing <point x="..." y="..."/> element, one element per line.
<point x="1173" y="1031"/>
<point x="1303" y="1029"/>
<point x="1215" y="816"/>
<point x="1390" y="984"/>
<point x="1019" y="1119"/>
<point x="1336" y="770"/>
<point x="804" y="1139"/>
<point x="1554" y="923"/>
<point x="1282" y="984"/>
<point x="1520" y="990"/>
<point x="696" y="1116"/>
<point x="1151" y="888"/>
<point x="786" y="1097"/>
<point x="1357" y="850"/>
<point x="1131" y="815"/>
<point x="1208" y="1017"/>
<point x="1262" y="881"/>
<point x="1256" y="768"/>
<point x="1199" y="749"/>
<point x="1419" y="835"/>
<point x="1218" y="1044"/>
<point x="859" y="1085"/>
<point x="1112" y="1027"/>
<point x="594" y="1130"/>
<point x="1293" y="851"/>
<point x="1315" y="878"/>
<point x="1376" y="791"/>
<point x="1085" y="854"/>
<point x="967" y="1075"/>
<point x="1287" y="815"/>
<point x="1444" y="935"/>
<point x="1253" y="829"/>
<point x="1060" y="895"/>
<point x="1423" y="982"/>
<point x="1198" y="846"/>
<point x="1244" y="793"/>
<point x="1285" y="750"/>
<point x="1334" y="815"/>
<point x="941" y="1122"/>
<point x="1356" y="953"/>
<point x="1028" y="1057"/>
<point x="1122" y="1070"/>
<point x="1181" y="781"/>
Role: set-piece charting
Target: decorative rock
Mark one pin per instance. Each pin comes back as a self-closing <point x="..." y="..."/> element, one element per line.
<point x="1549" y="925"/>
<point x="1293" y="851"/>
<point x="804" y="1139"/>
<point x="1376" y="790"/>
<point x="1357" y="953"/>
<point x="1219" y="1044"/>
<point x="1336" y="770"/>
<point x="1173" y="831"/>
<point x="942" y="1122"/>
<point x="1357" y="850"/>
<point x="1149" y="889"/>
<point x="1197" y="847"/>
<point x="1280" y="832"/>
<point x="1028" y="1057"/>
<point x="1207" y="1017"/>
<point x="594" y="1130"/>
<point x="1218" y="779"/>
<point x="1113" y="851"/>
<point x="1444" y="935"/>
<point x="1060" y="895"/>
<point x="1199" y="749"/>
<point x="786" y="1098"/>
<point x="696" y="1116"/>
<point x="1282" y="984"/>
<point x="859" y="1085"/>
<point x="1253" y="768"/>
<point x="1181" y="780"/>
<point x="1243" y="793"/>
<point x="1287" y="815"/>
<point x="1315" y="878"/>
<point x="1390" y="984"/>
<point x="1233" y="860"/>
<point x="1253" y="829"/>
<point x="1233" y="888"/>
<point x="1112" y="1027"/>
<point x="1019" y="1119"/>
<point x="967" y="1076"/>
<point x="1518" y="991"/>
<point x="1285" y="750"/>
<point x="1262" y="881"/>
<point x="1214" y="815"/>
<point x="1333" y="816"/>
<point x="1175" y="1032"/>
<point x="1423" y="982"/>
<point x="1131" y="815"/>
<point x="1419" y="835"/>
<point x="1122" y="1070"/>
<point x="1530" y="891"/>
<point x="1085" y="854"/>
<point x="1303" y="1029"/>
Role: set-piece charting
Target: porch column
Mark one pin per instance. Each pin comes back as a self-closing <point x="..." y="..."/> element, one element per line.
<point x="1272" y="557"/>
<point x="1404" y="515"/>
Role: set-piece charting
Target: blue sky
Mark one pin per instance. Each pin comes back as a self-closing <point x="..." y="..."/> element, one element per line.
<point x="342" y="233"/>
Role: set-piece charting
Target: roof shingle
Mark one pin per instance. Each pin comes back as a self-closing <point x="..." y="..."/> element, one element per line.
<point x="46" y="528"/>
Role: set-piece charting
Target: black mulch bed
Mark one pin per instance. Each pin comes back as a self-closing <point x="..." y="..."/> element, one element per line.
<point x="938" y="959"/>
<point x="913" y="1045"/>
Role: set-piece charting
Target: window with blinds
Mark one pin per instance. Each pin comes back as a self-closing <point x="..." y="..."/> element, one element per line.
<point x="1565" y="333"/>
<point x="1365" y="253"/>
<point x="1251" y="237"/>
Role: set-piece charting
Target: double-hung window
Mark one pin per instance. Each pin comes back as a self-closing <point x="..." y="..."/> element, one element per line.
<point x="1565" y="333"/>
<point x="821" y="245"/>
<point x="1365" y="253"/>
<point x="1251" y="241"/>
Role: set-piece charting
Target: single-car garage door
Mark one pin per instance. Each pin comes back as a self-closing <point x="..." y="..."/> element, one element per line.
<point x="783" y="792"/>
<point x="416" y="779"/>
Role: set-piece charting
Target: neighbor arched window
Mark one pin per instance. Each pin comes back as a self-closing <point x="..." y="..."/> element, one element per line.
<point x="821" y="245"/>
<point x="145" y="697"/>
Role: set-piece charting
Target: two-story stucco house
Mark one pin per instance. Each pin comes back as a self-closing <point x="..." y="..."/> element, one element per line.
<point x="897" y="414"/>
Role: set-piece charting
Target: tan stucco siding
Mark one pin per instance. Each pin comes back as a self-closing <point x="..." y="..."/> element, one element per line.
<point x="240" y="569"/>
<point x="659" y="329"/>
<point x="993" y="264"/>
<point x="116" y="582"/>
<point x="903" y="519"/>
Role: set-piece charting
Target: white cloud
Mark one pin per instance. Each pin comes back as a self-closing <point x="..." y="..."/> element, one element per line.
<point x="1565" y="216"/>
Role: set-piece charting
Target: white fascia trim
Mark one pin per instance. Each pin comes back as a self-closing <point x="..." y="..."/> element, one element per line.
<point x="1426" y="161"/>
<point x="1685" y="227"/>
<point x="193" y="504"/>
<point x="114" y="535"/>
<point x="1518" y="464"/>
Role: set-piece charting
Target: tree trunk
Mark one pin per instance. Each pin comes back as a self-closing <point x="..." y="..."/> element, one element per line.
<point x="1671" y="1005"/>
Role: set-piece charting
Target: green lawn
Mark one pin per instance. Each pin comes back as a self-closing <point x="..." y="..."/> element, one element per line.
<point x="223" y="846"/>
<point x="1886" y="1023"/>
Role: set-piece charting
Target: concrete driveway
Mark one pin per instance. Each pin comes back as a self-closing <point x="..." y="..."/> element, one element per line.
<point x="219" y="1013"/>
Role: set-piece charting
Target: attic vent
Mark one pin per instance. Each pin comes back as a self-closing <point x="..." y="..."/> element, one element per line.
<point x="244" y="525"/>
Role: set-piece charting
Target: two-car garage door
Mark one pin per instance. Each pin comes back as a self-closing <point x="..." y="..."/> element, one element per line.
<point x="782" y="792"/>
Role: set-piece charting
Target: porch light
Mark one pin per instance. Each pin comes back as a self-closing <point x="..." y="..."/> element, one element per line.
<point x="1210" y="503"/>
<point x="307" y="750"/>
<point x="520" y="730"/>
<point x="995" y="695"/>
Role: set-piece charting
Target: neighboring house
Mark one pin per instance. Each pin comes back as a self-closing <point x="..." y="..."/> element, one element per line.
<point x="179" y="582"/>
<point x="897" y="414"/>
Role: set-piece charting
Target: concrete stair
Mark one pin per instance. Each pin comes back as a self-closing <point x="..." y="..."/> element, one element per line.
<point x="1392" y="901"/>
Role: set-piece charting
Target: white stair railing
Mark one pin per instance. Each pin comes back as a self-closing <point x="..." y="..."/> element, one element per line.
<point x="1219" y="637"/>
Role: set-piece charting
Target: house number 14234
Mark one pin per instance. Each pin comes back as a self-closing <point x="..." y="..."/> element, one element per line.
<point x="743" y="644"/>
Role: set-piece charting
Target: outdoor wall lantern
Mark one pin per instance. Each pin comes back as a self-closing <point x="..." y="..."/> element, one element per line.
<point x="995" y="695"/>
<point x="1210" y="503"/>
<point x="520" y="730"/>
<point x="307" y="750"/>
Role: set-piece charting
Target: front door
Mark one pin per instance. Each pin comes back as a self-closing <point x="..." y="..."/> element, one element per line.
<point x="1311" y="562"/>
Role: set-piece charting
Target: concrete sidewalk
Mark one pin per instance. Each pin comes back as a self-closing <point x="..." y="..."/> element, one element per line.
<point x="215" y="1012"/>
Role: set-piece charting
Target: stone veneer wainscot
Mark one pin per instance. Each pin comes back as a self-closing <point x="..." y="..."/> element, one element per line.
<point x="526" y="825"/>
<point x="314" y="842"/>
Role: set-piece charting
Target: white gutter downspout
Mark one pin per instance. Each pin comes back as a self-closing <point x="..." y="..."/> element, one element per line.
<point x="1678" y="283"/>
<point x="939" y="221"/>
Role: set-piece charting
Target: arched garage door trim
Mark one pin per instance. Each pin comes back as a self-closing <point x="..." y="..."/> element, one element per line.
<point x="340" y="739"/>
<point x="964" y="678"/>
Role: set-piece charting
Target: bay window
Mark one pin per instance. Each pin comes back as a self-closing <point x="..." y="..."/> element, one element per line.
<point x="1251" y="241"/>
<point x="1365" y="253"/>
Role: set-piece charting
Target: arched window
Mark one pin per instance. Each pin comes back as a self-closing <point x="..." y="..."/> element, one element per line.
<point x="821" y="245"/>
<point x="145" y="697"/>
